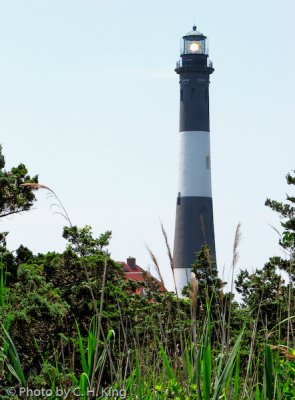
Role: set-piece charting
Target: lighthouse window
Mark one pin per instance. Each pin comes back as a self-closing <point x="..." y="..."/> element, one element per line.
<point x="179" y="199"/>
<point x="181" y="95"/>
<point x="193" y="93"/>
<point x="208" y="162"/>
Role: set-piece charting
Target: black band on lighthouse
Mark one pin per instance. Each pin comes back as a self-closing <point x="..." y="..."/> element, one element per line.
<point x="194" y="228"/>
<point x="194" y="103"/>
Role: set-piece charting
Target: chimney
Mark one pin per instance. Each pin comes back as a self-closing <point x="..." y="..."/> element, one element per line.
<point x="131" y="262"/>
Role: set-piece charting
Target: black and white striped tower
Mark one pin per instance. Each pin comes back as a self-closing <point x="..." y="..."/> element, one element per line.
<point x="194" y="212"/>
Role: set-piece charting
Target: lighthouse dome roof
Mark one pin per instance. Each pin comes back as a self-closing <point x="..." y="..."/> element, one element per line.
<point x="194" y="34"/>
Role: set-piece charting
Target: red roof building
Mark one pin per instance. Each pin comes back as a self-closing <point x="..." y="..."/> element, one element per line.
<point x="136" y="273"/>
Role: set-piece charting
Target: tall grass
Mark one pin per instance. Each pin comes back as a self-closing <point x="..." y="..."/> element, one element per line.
<point x="206" y="379"/>
<point x="145" y="367"/>
<point x="2" y="284"/>
<point x="10" y="356"/>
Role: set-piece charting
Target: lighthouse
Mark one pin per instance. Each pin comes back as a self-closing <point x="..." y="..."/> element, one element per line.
<point x="194" y="211"/>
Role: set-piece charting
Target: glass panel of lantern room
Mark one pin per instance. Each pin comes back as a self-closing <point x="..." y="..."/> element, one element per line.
<point x="194" y="47"/>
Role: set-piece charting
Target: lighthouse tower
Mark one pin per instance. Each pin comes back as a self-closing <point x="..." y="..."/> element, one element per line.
<point x="194" y="212"/>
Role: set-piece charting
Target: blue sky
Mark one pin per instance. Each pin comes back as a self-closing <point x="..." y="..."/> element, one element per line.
<point x="89" y="101"/>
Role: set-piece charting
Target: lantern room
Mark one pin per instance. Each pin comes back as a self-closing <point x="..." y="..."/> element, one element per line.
<point x="194" y="42"/>
<point x="194" y="53"/>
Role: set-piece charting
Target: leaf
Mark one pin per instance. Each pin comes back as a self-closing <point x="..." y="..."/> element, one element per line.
<point x="268" y="373"/>
<point x="82" y="351"/>
<point x="17" y="368"/>
<point x="228" y="368"/>
<point x="167" y="364"/>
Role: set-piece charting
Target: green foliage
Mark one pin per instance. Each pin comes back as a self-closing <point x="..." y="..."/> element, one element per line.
<point x="75" y="321"/>
<point x="14" y="198"/>
<point x="262" y="288"/>
<point x="265" y="292"/>
<point x="286" y="374"/>
<point x="206" y="272"/>
<point x="209" y="284"/>
<point x="81" y="240"/>
<point x="286" y="212"/>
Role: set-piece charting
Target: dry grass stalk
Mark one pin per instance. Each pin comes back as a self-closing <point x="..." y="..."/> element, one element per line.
<point x="169" y="255"/>
<point x="286" y="353"/>
<point x="203" y="228"/>
<point x="252" y="348"/>
<point x="156" y="264"/>
<point x="237" y="241"/>
<point x="193" y="293"/>
<point x="194" y="290"/>
<point x="290" y="301"/>
<point x="37" y="186"/>
<point x="175" y="287"/>
<point x="236" y="256"/>
<point x="167" y="244"/>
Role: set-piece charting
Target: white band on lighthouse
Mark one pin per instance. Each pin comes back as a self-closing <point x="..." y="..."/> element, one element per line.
<point x="182" y="278"/>
<point x="194" y="164"/>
